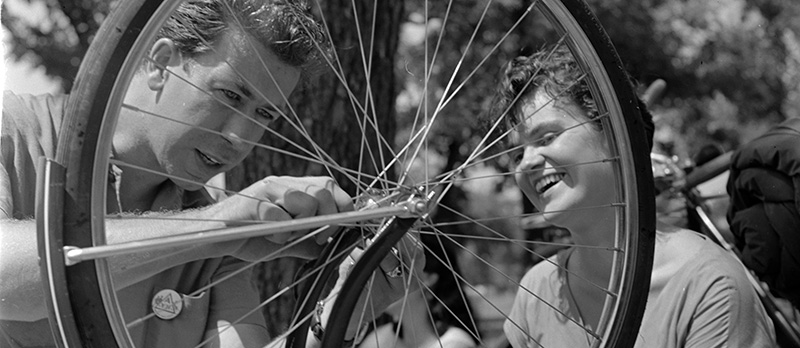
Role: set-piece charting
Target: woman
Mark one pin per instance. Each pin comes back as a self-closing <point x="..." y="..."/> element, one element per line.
<point x="699" y="296"/>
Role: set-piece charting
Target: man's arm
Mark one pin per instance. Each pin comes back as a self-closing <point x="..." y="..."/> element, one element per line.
<point x="21" y="296"/>
<point x="273" y="199"/>
<point x="21" y="288"/>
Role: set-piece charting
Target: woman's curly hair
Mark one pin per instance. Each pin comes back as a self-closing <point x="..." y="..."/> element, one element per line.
<point x="555" y="72"/>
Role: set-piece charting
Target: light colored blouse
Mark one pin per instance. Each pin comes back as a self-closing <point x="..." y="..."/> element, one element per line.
<point x="700" y="299"/>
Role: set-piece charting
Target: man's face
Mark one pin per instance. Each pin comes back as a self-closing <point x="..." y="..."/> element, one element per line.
<point x="216" y="105"/>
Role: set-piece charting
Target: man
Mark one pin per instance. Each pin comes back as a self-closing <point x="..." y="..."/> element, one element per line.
<point x="764" y="185"/>
<point x="194" y="76"/>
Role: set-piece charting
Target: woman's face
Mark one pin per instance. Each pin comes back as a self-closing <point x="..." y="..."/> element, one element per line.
<point x="559" y="161"/>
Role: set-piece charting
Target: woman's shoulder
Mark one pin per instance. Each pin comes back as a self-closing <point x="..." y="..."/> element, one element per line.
<point x="700" y="291"/>
<point x="689" y="255"/>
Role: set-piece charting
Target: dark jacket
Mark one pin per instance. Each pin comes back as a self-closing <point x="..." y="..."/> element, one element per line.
<point x="764" y="214"/>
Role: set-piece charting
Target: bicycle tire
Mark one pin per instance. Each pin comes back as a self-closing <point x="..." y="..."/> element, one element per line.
<point x="84" y="143"/>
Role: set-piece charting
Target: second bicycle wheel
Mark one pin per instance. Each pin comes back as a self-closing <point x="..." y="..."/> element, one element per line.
<point x="391" y="113"/>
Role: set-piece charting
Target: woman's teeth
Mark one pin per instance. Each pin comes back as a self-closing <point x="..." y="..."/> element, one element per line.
<point x="547" y="182"/>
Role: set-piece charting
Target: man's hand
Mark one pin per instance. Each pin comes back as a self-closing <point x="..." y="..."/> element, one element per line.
<point x="397" y="276"/>
<point x="281" y="199"/>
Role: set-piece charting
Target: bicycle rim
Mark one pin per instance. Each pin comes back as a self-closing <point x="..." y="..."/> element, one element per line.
<point x="439" y="82"/>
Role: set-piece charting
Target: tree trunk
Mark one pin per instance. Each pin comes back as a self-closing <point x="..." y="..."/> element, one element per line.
<point x="327" y="114"/>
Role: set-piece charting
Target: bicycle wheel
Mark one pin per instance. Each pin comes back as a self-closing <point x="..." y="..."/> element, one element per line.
<point x="442" y="59"/>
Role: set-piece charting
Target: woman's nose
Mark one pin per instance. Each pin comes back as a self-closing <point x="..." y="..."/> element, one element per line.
<point x="531" y="159"/>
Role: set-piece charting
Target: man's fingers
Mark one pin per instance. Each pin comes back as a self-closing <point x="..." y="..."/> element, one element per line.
<point x="412" y="250"/>
<point x="342" y="200"/>
<point x="335" y="195"/>
<point x="326" y="204"/>
<point x="271" y="212"/>
<point x="414" y="255"/>
<point x="392" y="264"/>
<point x="283" y="199"/>
<point x="347" y="264"/>
<point x="405" y="259"/>
<point x="306" y="197"/>
<point x="298" y="204"/>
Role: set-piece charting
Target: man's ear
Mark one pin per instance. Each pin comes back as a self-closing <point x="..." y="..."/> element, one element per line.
<point x="163" y="55"/>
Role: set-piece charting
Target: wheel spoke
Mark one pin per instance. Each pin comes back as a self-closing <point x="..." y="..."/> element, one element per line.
<point x="429" y="168"/>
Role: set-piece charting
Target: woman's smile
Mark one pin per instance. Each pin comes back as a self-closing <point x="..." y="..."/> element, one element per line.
<point x="543" y="184"/>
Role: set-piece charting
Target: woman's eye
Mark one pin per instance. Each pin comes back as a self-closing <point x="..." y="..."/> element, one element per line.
<point x="516" y="157"/>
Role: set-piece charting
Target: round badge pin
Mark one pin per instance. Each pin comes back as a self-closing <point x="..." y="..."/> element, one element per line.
<point x="167" y="304"/>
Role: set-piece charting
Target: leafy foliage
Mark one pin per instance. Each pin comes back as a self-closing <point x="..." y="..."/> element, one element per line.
<point x="725" y="66"/>
<point x="732" y="66"/>
<point x="59" y="39"/>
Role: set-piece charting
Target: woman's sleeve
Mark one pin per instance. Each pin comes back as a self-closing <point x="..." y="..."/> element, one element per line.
<point x="730" y="313"/>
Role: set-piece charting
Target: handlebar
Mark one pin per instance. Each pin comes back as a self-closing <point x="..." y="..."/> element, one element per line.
<point x="706" y="171"/>
<point x="654" y="92"/>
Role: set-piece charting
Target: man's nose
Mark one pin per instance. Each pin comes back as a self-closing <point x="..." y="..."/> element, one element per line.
<point x="240" y="130"/>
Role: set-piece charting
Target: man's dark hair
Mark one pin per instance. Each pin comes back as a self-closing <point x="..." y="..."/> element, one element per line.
<point x="287" y="27"/>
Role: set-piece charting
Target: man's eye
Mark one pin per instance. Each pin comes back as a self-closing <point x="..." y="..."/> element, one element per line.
<point x="547" y="139"/>
<point x="231" y="95"/>
<point x="268" y="115"/>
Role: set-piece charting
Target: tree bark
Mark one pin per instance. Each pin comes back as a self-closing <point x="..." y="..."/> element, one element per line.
<point x="327" y="114"/>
